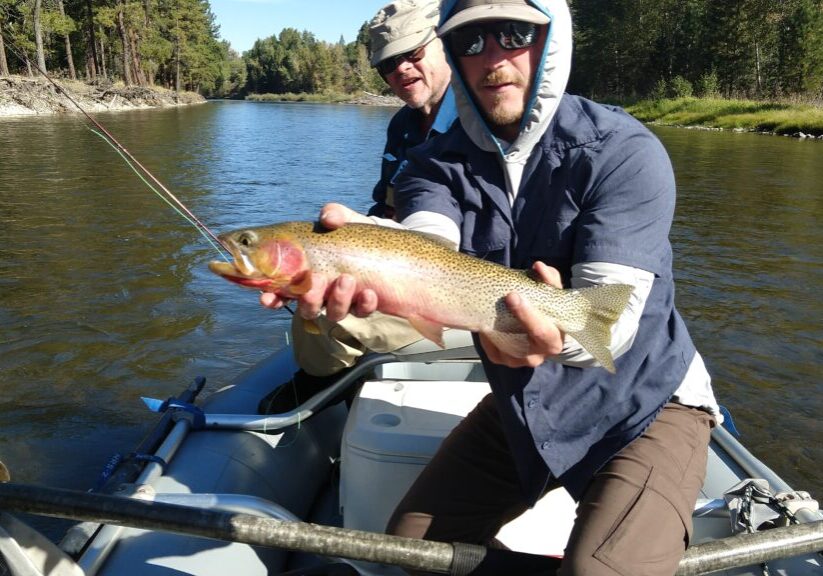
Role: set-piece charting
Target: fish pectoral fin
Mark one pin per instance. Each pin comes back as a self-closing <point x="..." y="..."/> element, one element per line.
<point x="428" y="329"/>
<point x="301" y="283"/>
<point x="311" y="327"/>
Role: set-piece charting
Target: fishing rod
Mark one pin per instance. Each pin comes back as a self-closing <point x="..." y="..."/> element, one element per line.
<point x="410" y="553"/>
<point x="129" y="158"/>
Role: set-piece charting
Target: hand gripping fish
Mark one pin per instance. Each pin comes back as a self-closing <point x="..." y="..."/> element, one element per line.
<point x="422" y="280"/>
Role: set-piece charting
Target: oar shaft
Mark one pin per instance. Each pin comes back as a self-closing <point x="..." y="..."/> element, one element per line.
<point x="244" y="528"/>
<point x="751" y="549"/>
<point x="409" y="553"/>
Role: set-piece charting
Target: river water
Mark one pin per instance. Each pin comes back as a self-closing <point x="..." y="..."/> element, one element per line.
<point x="105" y="295"/>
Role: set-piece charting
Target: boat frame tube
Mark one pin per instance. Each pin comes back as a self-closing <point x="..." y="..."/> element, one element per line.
<point x="408" y="553"/>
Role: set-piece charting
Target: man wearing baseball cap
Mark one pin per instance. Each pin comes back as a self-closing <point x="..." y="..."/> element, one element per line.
<point x="583" y="194"/>
<point x="409" y="56"/>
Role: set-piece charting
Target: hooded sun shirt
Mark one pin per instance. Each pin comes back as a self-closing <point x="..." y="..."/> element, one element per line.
<point x="587" y="189"/>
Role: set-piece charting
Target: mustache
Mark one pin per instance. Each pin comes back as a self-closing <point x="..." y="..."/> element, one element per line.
<point x="507" y="76"/>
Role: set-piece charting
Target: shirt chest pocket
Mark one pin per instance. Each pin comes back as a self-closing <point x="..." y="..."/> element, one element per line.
<point x="485" y="231"/>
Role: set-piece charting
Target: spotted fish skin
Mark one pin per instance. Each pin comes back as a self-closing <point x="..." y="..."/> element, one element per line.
<point x="423" y="280"/>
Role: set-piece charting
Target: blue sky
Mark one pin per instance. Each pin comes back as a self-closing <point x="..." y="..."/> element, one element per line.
<point x="244" y="21"/>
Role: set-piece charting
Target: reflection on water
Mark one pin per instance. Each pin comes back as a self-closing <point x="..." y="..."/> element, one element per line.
<point x="104" y="291"/>
<point x="749" y="264"/>
<point x="105" y="295"/>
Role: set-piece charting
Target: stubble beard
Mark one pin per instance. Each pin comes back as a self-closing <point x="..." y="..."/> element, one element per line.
<point x="503" y="112"/>
<point x="502" y="115"/>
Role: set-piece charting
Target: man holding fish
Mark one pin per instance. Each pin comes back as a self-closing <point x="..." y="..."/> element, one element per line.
<point x="408" y="55"/>
<point x="584" y="195"/>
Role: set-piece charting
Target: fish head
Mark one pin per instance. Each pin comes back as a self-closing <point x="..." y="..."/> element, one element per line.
<point x="270" y="259"/>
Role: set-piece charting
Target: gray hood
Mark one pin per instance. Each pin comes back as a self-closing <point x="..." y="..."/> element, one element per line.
<point x="547" y="90"/>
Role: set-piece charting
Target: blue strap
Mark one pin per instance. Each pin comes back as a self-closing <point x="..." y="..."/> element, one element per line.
<point x="149" y="458"/>
<point x="107" y="472"/>
<point x="198" y="416"/>
<point x="728" y="422"/>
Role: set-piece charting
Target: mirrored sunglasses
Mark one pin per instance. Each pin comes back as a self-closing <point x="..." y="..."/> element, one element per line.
<point x="510" y="35"/>
<point x="389" y="65"/>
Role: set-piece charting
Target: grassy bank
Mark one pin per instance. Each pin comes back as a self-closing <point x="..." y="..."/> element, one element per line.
<point x="774" y="117"/>
<point x="324" y="97"/>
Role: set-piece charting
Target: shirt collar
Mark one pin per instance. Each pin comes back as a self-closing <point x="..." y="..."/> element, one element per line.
<point x="446" y="114"/>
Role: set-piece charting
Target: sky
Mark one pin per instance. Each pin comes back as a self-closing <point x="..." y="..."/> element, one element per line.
<point x="244" y="21"/>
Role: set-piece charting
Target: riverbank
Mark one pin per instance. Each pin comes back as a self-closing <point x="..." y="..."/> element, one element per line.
<point x="23" y="96"/>
<point x="364" y="98"/>
<point x="787" y="119"/>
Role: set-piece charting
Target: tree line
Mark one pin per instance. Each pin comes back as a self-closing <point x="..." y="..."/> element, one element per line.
<point x="761" y="49"/>
<point x="623" y="48"/>
<point x="170" y="43"/>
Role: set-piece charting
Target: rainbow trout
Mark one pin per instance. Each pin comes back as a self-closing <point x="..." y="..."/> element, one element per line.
<point x="422" y="280"/>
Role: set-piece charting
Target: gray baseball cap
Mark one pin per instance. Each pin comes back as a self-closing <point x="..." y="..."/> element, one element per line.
<point x="402" y="26"/>
<point x="470" y="11"/>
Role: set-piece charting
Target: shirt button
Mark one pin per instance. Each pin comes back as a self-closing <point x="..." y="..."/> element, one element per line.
<point x="532" y="403"/>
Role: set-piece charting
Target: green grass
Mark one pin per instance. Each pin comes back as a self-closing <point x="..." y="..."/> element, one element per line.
<point x="775" y="117"/>
<point x="323" y="97"/>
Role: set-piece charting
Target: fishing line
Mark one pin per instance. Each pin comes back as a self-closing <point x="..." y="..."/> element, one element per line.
<point x="203" y="231"/>
<point x="124" y="153"/>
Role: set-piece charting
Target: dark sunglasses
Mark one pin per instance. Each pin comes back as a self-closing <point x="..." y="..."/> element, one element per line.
<point x="510" y="35"/>
<point x="389" y="65"/>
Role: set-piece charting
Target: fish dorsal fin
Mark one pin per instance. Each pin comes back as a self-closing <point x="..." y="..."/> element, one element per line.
<point x="428" y="329"/>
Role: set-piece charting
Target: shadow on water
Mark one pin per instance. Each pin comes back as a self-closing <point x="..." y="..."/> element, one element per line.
<point x="105" y="295"/>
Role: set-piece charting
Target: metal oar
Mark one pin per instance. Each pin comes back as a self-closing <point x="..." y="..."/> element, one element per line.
<point x="409" y="553"/>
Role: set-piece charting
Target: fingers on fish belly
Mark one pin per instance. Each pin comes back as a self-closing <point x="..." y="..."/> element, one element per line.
<point x="511" y="343"/>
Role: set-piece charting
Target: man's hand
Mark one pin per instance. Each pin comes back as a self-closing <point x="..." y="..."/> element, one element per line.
<point x="340" y="295"/>
<point x="545" y="338"/>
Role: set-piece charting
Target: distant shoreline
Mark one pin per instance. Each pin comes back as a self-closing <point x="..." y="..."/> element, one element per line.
<point x="364" y="98"/>
<point x="24" y="96"/>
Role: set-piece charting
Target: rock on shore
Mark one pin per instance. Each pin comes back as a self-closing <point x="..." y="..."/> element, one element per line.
<point x="369" y="99"/>
<point x="23" y="96"/>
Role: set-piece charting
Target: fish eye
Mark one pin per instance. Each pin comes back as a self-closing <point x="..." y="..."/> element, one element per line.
<point x="247" y="238"/>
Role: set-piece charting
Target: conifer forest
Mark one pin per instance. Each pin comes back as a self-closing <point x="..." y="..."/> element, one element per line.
<point x="759" y="49"/>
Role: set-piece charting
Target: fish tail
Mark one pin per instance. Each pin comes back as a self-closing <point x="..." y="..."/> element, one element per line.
<point x="606" y="304"/>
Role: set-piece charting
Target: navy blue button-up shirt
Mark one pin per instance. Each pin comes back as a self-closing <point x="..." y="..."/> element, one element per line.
<point x="403" y="134"/>
<point x="598" y="187"/>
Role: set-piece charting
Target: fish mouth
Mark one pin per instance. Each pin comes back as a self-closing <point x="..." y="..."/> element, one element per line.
<point x="241" y="271"/>
<point x="231" y="272"/>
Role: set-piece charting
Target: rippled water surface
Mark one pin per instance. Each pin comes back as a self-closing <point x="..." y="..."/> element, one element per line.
<point x="105" y="295"/>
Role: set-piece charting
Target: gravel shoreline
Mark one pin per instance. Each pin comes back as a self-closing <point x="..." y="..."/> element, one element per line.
<point x="23" y="96"/>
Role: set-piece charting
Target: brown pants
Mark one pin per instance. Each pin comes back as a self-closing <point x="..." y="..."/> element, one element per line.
<point x="633" y="520"/>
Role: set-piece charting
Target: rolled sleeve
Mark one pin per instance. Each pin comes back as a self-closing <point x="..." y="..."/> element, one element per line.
<point x="423" y="187"/>
<point x="630" y="200"/>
